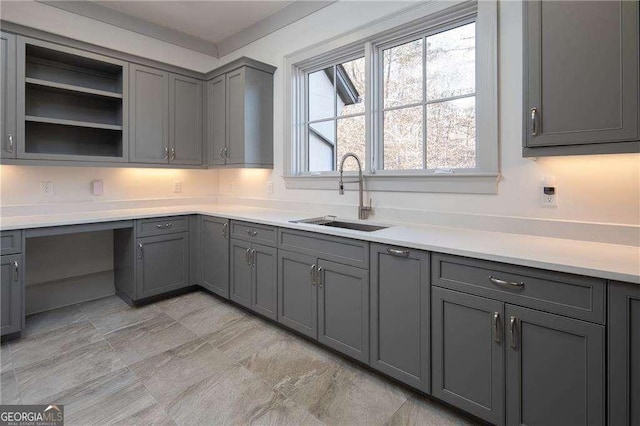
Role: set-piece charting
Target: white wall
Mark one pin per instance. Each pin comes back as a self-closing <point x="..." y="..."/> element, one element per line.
<point x="590" y="188"/>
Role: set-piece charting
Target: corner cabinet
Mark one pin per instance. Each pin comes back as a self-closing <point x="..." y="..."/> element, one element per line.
<point x="8" y="83"/>
<point x="581" y="77"/>
<point x="240" y="116"/>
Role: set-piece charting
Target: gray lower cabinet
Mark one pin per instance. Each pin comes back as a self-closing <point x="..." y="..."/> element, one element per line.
<point x="8" y="123"/>
<point x="214" y="255"/>
<point x="400" y="314"/>
<point x="185" y="120"/>
<point x="555" y="369"/>
<point x="581" y="77"/>
<point x="624" y="354"/>
<point x="11" y="299"/>
<point x="254" y="277"/>
<point x="297" y="295"/>
<point x="162" y="264"/>
<point x="468" y="353"/>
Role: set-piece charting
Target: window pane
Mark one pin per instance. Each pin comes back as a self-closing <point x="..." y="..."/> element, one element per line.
<point x="451" y="63"/>
<point x="321" y="94"/>
<point x="351" y="138"/>
<point x="350" y="87"/>
<point x="402" y="73"/>
<point x="321" y="146"/>
<point x="451" y="134"/>
<point x="403" y="145"/>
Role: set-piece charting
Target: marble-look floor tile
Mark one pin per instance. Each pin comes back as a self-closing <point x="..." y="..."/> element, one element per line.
<point x="50" y="320"/>
<point x="117" y="397"/>
<point x="49" y="344"/>
<point x="285" y="412"/>
<point x="104" y="306"/>
<point x="244" y="337"/>
<point x="181" y="306"/>
<point x="170" y="374"/>
<point x="139" y="341"/>
<point x="39" y="381"/>
<point x="117" y="320"/>
<point x="6" y="359"/>
<point x="237" y="397"/>
<point x="211" y="318"/>
<point x="420" y="411"/>
<point x="9" y="390"/>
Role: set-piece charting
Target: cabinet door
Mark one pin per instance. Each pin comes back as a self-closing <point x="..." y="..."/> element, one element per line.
<point x="235" y="116"/>
<point x="265" y="280"/>
<point x="555" y="369"/>
<point x="163" y="264"/>
<point x="217" y="119"/>
<point x="241" y="273"/>
<point x="185" y="123"/>
<point x="214" y="255"/>
<point x="149" y="109"/>
<point x="297" y="294"/>
<point x="581" y="72"/>
<point x="624" y="353"/>
<point x="468" y="353"/>
<point x="12" y="283"/>
<point x="8" y="95"/>
<point x="400" y="314"/>
<point x="343" y="309"/>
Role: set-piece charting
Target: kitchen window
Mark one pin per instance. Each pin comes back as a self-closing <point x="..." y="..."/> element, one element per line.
<point x="416" y="102"/>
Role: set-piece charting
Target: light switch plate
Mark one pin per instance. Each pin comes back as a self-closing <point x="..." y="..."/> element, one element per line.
<point x="97" y="188"/>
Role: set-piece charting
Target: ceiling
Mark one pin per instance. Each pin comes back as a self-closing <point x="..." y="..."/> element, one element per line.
<point x="212" y="21"/>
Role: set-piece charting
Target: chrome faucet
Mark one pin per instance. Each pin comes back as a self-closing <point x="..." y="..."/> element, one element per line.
<point x="363" y="211"/>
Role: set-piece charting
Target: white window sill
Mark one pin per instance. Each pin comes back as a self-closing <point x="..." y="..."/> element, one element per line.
<point x="477" y="183"/>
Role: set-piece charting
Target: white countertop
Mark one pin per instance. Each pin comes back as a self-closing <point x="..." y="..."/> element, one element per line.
<point x="609" y="261"/>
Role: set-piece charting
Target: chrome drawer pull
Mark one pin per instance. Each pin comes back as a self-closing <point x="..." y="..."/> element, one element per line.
<point x="16" y="271"/>
<point x="398" y="252"/>
<point x="512" y="329"/>
<point x="252" y="233"/>
<point x="506" y="283"/>
<point x="225" y="230"/>
<point x="496" y="327"/>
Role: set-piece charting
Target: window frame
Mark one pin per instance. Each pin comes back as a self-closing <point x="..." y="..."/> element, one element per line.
<point x="436" y="16"/>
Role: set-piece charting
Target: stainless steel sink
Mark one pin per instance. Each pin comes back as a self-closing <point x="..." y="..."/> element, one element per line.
<point x="332" y="222"/>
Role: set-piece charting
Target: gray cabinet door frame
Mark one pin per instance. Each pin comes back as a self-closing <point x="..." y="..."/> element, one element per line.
<point x="552" y="378"/>
<point x="185" y="120"/>
<point x="306" y="290"/>
<point x="398" y="317"/>
<point x="145" y="260"/>
<point x="12" y="292"/>
<point x="490" y="405"/>
<point x="624" y="352"/>
<point x="337" y="304"/>
<point x="213" y="255"/>
<point x="235" y="120"/>
<point x="8" y="121"/>
<point x="623" y="73"/>
<point x="216" y="120"/>
<point x="145" y="148"/>
<point x="265" y="280"/>
<point x="241" y="273"/>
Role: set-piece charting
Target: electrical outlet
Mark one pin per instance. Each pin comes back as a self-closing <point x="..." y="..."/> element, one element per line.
<point x="46" y="189"/>
<point x="177" y="186"/>
<point x="269" y="187"/>
<point x="549" y="192"/>
<point x="549" y="200"/>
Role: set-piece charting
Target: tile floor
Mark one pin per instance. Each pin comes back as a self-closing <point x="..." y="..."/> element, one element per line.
<point x="193" y="360"/>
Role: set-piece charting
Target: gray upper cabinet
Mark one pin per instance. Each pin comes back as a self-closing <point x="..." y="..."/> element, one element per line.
<point x="162" y="264"/>
<point x="297" y="295"/>
<point x="468" y="353"/>
<point x="149" y="122"/>
<point x="624" y="354"/>
<point x="214" y="255"/>
<point x="185" y="120"/>
<point x="581" y="93"/>
<point x="240" y="117"/>
<point x="400" y="314"/>
<point x="555" y="369"/>
<point x="8" y="83"/>
<point x="12" y="283"/>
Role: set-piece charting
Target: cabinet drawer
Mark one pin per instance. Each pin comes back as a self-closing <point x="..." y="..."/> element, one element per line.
<point x="10" y="242"/>
<point x="162" y="225"/>
<point x="565" y="294"/>
<point x="336" y="249"/>
<point x="262" y="234"/>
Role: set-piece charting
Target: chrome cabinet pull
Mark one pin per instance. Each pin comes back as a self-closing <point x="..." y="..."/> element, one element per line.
<point x="506" y="283"/>
<point x="226" y="153"/>
<point x="166" y="153"/>
<point x="246" y="256"/>
<point x="398" y="252"/>
<point x="252" y="233"/>
<point x="165" y="226"/>
<point x="512" y="332"/>
<point x="10" y="142"/>
<point x="253" y="258"/>
<point x="169" y="225"/>
<point x="140" y="250"/>
<point x="220" y="154"/>
<point x="313" y="274"/>
<point x="16" y="271"/>
<point x="225" y="231"/>
<point x="320" y="276"/>
<point x="534" y="121"/>
<point x="496" y="327"/>
<point x="173" y="153"/>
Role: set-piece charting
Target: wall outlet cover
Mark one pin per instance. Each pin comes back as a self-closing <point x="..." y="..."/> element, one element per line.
<point x="177" y="186"/>
<point x="97" y="188"/>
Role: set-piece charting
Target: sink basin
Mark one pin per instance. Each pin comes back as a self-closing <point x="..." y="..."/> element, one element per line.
<point x="332" y="222"/>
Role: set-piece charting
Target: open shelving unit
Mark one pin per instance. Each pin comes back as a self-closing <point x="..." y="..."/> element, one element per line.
<point x="73" y="102"/>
